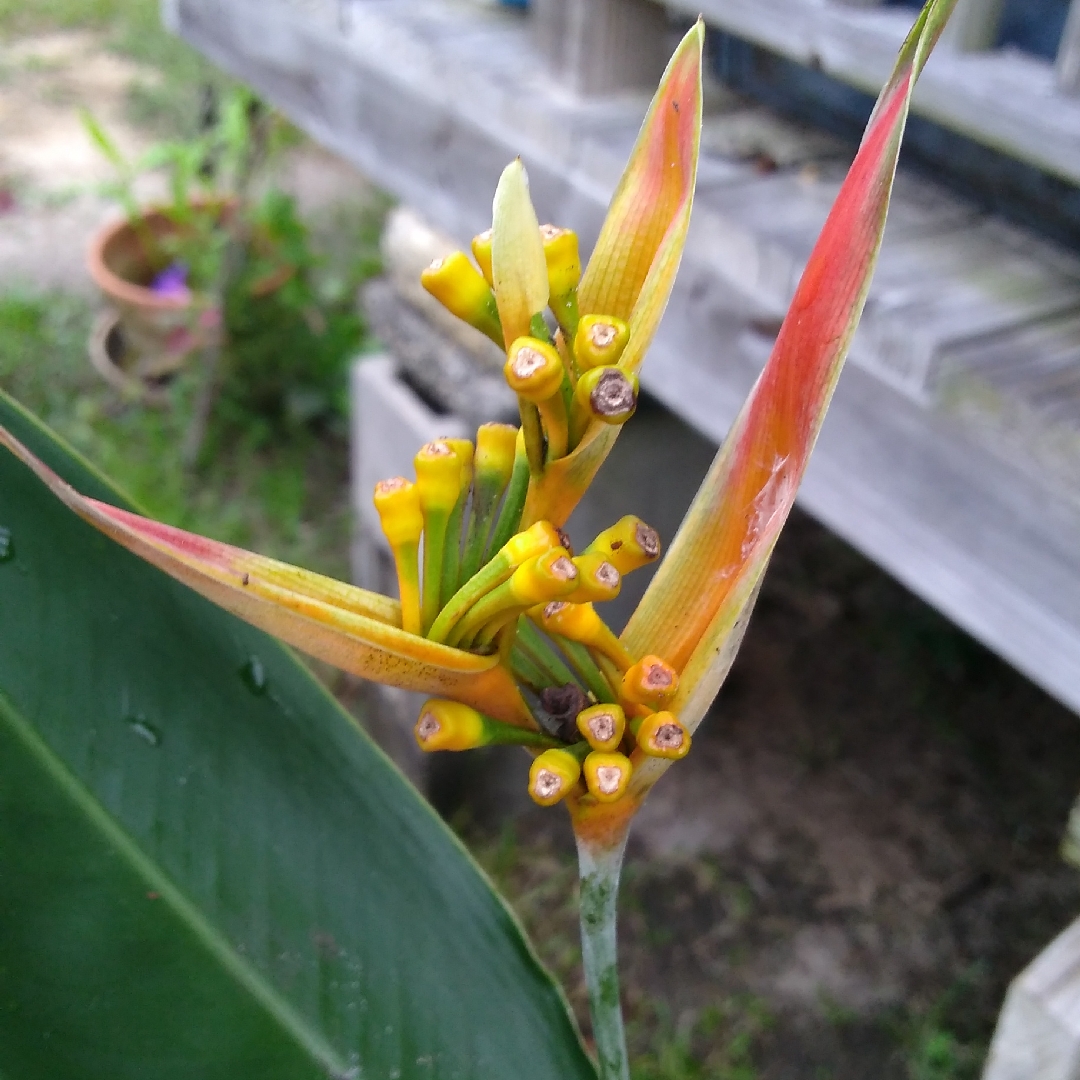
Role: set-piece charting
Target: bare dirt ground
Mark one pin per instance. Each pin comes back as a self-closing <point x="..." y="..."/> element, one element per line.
<point x="49" y="168"/>
<point x="862" y="849"/>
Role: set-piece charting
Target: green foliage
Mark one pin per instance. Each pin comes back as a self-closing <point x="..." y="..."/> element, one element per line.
<point x="715" y="1044"/>
<point x="210" y="173"/>
<point x="291" y="328"/>
<point x="934" y="1038"/>
<point x="290" y="340"/>
<point x="208" y="868"/>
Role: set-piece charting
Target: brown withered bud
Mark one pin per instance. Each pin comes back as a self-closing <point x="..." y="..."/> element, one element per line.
<point x="562" y="704"/>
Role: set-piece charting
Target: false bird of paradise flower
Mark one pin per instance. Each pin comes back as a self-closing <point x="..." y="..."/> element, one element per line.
<point x="496" y="614"/>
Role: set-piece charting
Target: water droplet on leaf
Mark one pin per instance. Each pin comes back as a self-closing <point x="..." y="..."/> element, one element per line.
<point x="254" y="675"/>
<point x="7" y="545"/>
<point x="145" y="731"/>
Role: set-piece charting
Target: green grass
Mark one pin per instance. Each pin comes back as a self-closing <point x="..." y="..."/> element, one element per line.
<point x="936" y="1040"/>
<point x="286" y="497"/>
<point x="716" y="1043"/>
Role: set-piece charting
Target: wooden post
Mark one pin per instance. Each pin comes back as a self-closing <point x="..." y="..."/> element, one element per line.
<point x="1068" y="57"/>
<point x="602" y="46"/>
<point x="973" y="26"/>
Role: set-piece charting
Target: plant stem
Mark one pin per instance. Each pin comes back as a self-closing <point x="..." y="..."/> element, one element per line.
<point x="598" y="869"/>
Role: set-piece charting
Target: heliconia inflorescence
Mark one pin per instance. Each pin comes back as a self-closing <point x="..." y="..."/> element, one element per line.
<point x="497" y="617"/>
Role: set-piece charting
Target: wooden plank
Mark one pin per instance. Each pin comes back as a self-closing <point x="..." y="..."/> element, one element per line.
<point x="1068" y="57"/>
<point x="973" y="26"/>
<point x="1004" y="99"/>
<point x="945" y="276"/>
<point x="1019" y="392"/>
<point x="432" y="99"/>
<point x="601" y="46"/>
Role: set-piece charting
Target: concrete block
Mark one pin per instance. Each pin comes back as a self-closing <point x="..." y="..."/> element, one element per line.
<point x="1038" y="1032"/>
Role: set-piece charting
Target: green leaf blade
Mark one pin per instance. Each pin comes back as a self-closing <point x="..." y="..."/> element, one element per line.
<point x="312" y="908"/>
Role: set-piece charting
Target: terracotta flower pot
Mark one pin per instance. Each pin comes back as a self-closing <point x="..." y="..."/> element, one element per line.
<point x="159" y="332"/>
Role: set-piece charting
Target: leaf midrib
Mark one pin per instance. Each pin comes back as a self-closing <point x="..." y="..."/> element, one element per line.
<point x="242" y="972"/>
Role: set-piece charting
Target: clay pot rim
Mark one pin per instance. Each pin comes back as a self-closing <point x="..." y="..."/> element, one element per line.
<point x="116" y="287"/>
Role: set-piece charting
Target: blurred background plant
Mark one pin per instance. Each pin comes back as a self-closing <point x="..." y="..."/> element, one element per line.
<point x="231" y="242"/>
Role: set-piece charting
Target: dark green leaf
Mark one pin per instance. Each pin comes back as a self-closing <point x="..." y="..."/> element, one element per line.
<point x="206" y="869"/>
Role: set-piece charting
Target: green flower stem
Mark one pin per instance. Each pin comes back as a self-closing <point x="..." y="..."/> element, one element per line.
<point x="494" y="603"/>
<point x="598" y="869"/>
<point x="565" y="308"/>
<point x="494" y="574"/>
<point x="539" y="650"/>
<point x="488" y="489"/>
<point x="528" y="672"/>
<point x="590" y="674"/>
<point x="512" y="507"/>
<point x="435" y="523"/>
<point x="534" y="435"/>
<point x="452" y="550"/>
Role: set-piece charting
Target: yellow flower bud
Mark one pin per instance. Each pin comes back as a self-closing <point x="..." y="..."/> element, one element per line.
<point x="438" y="476"/>
<point x="563" y="260"/>
<point x="662" y="734"/>
<point x="462" y="290"/>
<point x="546" y="577"/>
<point x="651" y="681"/>
<point x="603" y="726"/>
<point x="496" y="445"/>
<point x="607" y="394"/>
<point x="449" y="725"/>
<point x="397" y="502"/>
<point x="552" y="776"/>
<point x="481" y="249"/>
<point x="533" y="369"/>
<point x="599" y="341"/>
<point x="607" y="775"/>
<point x="463" y="448"/>
<point x="579" y="622"/>
<point x="535" y="540"/>
<point x="628" y="544"/>
<point x="598" y="579"/>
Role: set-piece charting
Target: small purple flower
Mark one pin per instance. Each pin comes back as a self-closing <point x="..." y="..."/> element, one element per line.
<point x="171" y="282"/>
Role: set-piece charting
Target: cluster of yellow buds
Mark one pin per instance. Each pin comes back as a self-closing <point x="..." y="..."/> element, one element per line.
<point x="470" y="577"/>
<point x="565" y="370"/>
